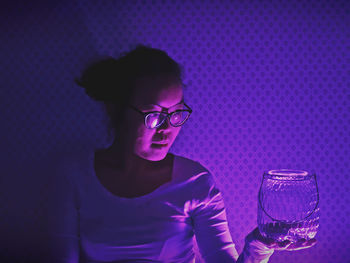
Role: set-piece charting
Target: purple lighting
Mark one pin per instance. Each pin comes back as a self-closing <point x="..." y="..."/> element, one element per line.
<point x="268" y="83"/>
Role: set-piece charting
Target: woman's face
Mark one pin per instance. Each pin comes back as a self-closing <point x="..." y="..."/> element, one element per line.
<point x="152" y="95"/>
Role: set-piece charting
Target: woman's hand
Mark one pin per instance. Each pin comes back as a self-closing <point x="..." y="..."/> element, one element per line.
<point x="285" y="245"/>
<point x="259" y="249"/>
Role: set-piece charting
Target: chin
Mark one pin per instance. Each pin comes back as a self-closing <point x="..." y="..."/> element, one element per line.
<point x="157" y="155"/>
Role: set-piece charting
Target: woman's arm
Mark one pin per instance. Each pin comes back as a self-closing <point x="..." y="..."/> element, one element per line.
<point x="210" y="223"/>
<point x="212" y="232"/>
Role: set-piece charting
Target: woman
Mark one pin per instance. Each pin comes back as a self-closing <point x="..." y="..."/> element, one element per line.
<point x="134" y="201"/>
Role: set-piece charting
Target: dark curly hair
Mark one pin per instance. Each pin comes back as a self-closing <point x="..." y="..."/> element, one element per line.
<point x="112" y="81"/>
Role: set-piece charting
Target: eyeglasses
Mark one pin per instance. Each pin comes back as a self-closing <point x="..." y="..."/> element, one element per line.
<point x="154" y="119"/>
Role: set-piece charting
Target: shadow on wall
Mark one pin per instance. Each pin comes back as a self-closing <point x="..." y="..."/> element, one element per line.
<point x="44" y="45"/>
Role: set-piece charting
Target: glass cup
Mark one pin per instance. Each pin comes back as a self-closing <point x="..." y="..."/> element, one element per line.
<point x="288" y="205"/>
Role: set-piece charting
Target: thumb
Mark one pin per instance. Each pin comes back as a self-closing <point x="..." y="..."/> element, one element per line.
<point x="259" y="245"/>
<point x="256" y="235"/>
<point x="257" y="250"/>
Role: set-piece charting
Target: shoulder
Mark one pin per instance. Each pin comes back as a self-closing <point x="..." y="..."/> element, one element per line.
<point x="192" y="171"/>
<point x="200" y="184"/>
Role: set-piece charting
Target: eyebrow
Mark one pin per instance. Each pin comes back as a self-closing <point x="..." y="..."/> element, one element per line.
<point x="182" y="101"/>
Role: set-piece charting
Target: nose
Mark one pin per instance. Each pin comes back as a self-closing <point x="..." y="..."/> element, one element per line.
<point x="166" y="124"/>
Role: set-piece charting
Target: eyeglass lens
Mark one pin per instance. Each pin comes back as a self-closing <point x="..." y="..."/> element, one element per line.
<point x="177" y="118"/>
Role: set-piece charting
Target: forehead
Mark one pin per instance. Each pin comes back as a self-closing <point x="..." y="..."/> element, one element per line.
<point x="161" y="90"/>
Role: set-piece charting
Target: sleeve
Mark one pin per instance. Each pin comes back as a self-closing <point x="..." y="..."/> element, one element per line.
<point x="63" y="239"/>
<point x="210" y="223"/>
<point x="255" y="252"/>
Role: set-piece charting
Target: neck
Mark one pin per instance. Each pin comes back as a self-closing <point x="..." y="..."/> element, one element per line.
<point x="130" y="164"/>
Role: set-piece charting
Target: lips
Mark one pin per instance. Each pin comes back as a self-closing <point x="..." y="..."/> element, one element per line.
<point x="161" y="142"/>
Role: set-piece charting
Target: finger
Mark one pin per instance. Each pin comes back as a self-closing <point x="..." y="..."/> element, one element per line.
<point x="303" y="242"/>
<point x="256" y="235"/>
<point x="311" y="241"/>
<point x="295" y="246"/>
<point x="298" y="248"/>
<point x="281" y="245"/>
<point x="284" y="243"/>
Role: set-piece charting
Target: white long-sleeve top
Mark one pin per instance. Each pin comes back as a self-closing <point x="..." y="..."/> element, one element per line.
<point x="90" y="224"/>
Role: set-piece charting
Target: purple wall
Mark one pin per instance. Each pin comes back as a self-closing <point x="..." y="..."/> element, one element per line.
<point x="268" y="82"/>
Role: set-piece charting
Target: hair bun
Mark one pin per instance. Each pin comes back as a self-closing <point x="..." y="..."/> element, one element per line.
<point x="103" y="80"/>
<point x="112" y="80"/>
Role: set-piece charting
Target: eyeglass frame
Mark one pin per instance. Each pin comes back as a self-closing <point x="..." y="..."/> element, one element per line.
<point x="168" y="115"/>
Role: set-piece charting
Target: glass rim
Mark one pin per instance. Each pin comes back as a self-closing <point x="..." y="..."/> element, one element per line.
<point x="288" y="172"/>
<point x="285" y="174"/>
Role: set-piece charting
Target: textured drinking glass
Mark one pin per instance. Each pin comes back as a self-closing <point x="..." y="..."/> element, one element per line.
<point x="288" y="205"/>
